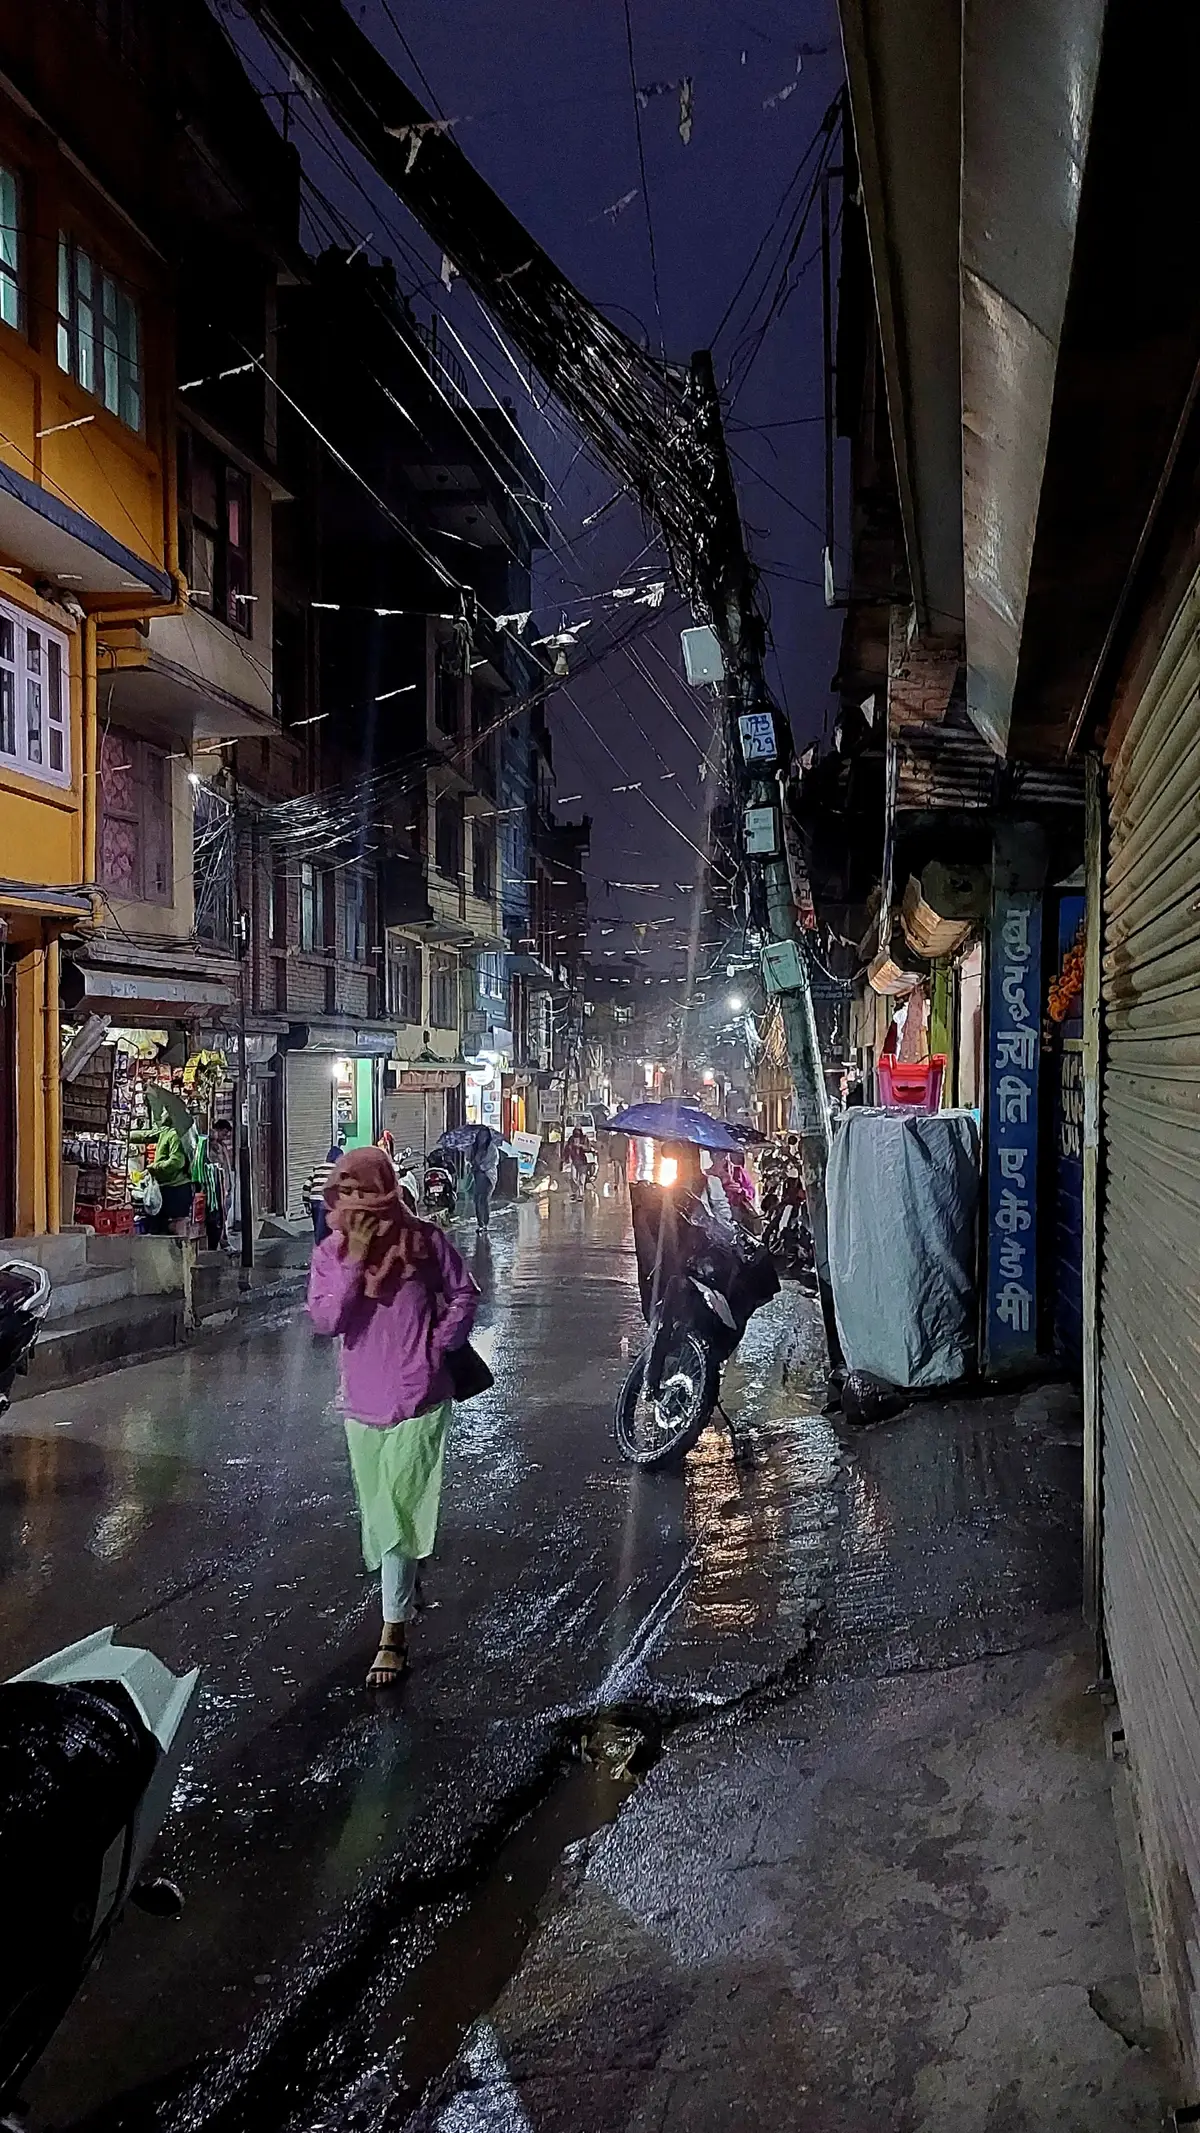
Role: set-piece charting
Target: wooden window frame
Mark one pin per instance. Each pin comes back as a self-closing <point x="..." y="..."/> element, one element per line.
<point x="94" y="357"/>
<point x="310" y="887"/>
<point x="35" y="669"/>
<point x="448" y="800"/>
<point x="150" y="817"/>
<point x="404" y="999"/>
<point x="12" y="247"/>
<point x="444" y="971"/>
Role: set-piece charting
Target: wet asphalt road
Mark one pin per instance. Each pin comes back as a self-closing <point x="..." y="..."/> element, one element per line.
<point x="328" y="1842"/>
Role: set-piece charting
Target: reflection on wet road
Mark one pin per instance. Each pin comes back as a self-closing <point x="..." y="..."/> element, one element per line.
<point x="203" y="1503"/>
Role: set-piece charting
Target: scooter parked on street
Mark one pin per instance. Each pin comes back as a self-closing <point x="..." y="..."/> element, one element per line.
<point x="24" y="1302"/>
<point x="700" y="1284"/>
<point x="786" y="1233"/>
<point x="91" y="1743"/>
<point x="440" y="1187"/>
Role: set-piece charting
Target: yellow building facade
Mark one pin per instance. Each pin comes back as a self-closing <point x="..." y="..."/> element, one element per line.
<point x="88" y="556"/>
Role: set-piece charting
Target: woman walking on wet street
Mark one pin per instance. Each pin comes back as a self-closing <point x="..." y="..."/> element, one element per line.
<point x="485" y="1169"/>
<point x="400" y="1297"/>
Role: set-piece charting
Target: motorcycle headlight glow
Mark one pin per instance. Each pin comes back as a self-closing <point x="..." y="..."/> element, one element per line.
<point x="668" y="1170"/>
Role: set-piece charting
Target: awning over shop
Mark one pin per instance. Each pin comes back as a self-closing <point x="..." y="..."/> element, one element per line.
<point x="46" y="900"/>
<point x="534" y="972"/>
<point x="126" y="994"/>
<point x="375" y="1041"/>
<point x="59" y="542"/>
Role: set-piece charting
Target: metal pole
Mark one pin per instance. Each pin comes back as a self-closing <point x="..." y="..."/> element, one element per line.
<point x="827" y="366"/>
<point x="739" y="628"/>
<point x="244" y="932"/>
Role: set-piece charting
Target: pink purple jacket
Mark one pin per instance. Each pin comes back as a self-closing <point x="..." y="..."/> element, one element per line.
<point x="392" y="1350"/>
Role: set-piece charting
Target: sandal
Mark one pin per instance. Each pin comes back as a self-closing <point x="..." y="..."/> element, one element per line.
<point x="388" y="1666"/>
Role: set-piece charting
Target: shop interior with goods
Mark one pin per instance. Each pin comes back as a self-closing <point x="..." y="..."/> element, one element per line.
<point x="138" y="1111"/>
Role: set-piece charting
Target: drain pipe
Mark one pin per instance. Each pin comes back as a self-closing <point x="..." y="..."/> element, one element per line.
<point x="52" y="1083"/>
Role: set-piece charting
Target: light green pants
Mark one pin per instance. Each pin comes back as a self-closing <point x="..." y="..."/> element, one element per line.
<point x="398" y="1482"/>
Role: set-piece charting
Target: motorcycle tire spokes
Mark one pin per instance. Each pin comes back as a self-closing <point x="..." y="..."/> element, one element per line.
<point x="654" y="1426"/>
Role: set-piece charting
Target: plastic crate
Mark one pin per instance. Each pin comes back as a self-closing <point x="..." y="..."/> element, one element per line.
<point x="106" y="1221"/>
<point x="911" y="1087"/>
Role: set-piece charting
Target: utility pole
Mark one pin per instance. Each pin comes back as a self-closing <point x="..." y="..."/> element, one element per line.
<point x="759" y="752"/>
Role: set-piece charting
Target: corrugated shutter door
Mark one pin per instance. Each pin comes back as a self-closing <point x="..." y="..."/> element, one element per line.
<point x="1150" y="1290"/>
<point x="309" y="1121"/>
<point x="404" y="1116"/>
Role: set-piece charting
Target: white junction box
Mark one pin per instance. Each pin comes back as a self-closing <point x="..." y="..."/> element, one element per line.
<point x="761" y="825"/>
<point x="702" y="659"/>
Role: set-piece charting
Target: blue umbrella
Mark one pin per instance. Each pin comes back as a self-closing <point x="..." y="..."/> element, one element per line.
<point x="461" y="1139"/>
<point x="675" y="1122"/>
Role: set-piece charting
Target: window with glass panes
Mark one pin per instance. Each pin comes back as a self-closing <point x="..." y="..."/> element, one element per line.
<point x="312" y="906"/>
<point x="447" y="835"/>
<point x="10" y="248"/>
<point x="483" y="860"/>
<point x="443" y="990"/>
<point x="34" y="721"/>
<point x="404" y="979"/>
<point x="214" y="531"/>
<point x="354" y="924"/>
<point x="99" y="332"/>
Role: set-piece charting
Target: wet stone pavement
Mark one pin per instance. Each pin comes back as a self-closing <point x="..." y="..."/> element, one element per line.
<point x="766" y="1794"/>
<point x="329" y="1841"/>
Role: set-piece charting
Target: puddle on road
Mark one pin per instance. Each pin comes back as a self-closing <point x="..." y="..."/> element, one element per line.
<point x="454" y="1959"/>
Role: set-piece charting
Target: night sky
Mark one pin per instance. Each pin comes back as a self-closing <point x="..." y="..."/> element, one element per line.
<point x="543" y="95"/>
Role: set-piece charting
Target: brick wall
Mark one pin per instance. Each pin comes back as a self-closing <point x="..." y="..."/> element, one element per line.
<point x="306" y="982"/>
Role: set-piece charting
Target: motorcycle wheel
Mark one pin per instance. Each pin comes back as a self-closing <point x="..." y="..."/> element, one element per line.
<point x="652" y="1430"/>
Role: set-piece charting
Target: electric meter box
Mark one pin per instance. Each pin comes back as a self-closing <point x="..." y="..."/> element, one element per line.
<point x="782" y="969"/>
<point x="702" y="659"/>
<point x="756" y="730"/>
<point x="761" y="825"/>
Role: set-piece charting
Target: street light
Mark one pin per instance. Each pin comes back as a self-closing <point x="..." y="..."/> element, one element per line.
<point x="735" y="1003"/>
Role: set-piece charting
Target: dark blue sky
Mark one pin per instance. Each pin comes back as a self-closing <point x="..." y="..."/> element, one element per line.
<point x="543" y="97"/>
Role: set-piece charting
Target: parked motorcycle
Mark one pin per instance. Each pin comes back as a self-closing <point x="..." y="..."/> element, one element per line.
<point x="24" y="1302"/>
<point x="91" y="1743"/>
<point x="440" y="1187"/>
<point x="786" y="1233"/>
<point x="700" y="1285"/>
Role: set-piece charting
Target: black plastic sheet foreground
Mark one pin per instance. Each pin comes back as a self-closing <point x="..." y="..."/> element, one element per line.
<point x="74" y="1762"/>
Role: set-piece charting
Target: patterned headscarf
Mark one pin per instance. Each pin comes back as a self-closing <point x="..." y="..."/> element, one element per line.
<point x="401" y="1241"/>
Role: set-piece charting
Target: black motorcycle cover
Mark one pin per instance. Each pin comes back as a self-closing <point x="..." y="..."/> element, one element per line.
<point x="74" y="1761"/>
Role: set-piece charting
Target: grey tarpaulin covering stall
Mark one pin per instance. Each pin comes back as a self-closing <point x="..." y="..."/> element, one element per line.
<point x="903" y="1190"/>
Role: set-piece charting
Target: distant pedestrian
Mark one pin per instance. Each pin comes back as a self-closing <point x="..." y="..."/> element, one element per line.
<point x="577" y="1157"/>
<point x="485" y="1169"/>
<point x="396" y="1291"/>
<point x="617" y="1148"/>
<point x="218" y="1184"/>
<point x="314" y="1192"/>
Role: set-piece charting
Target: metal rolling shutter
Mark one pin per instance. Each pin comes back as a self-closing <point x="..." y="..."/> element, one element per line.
<point x="404" y="1116"/>
<point x="309" y="1120"/>
<point x="1150" y="1289"/>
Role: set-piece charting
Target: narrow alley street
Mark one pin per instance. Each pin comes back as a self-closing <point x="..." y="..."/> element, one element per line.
<point x="363" y="1877"/>
<point x="202" y="1503"/>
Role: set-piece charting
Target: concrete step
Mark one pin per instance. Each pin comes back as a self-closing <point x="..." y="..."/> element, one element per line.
<point x="92" y="1287"/>
<point x="223" y="1292"/>
<point x="100" y="1339"/>
<point x="65" y="1258"/>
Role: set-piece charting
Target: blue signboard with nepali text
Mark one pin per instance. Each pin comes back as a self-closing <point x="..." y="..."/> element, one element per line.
<point x="1014" y="1046"/>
